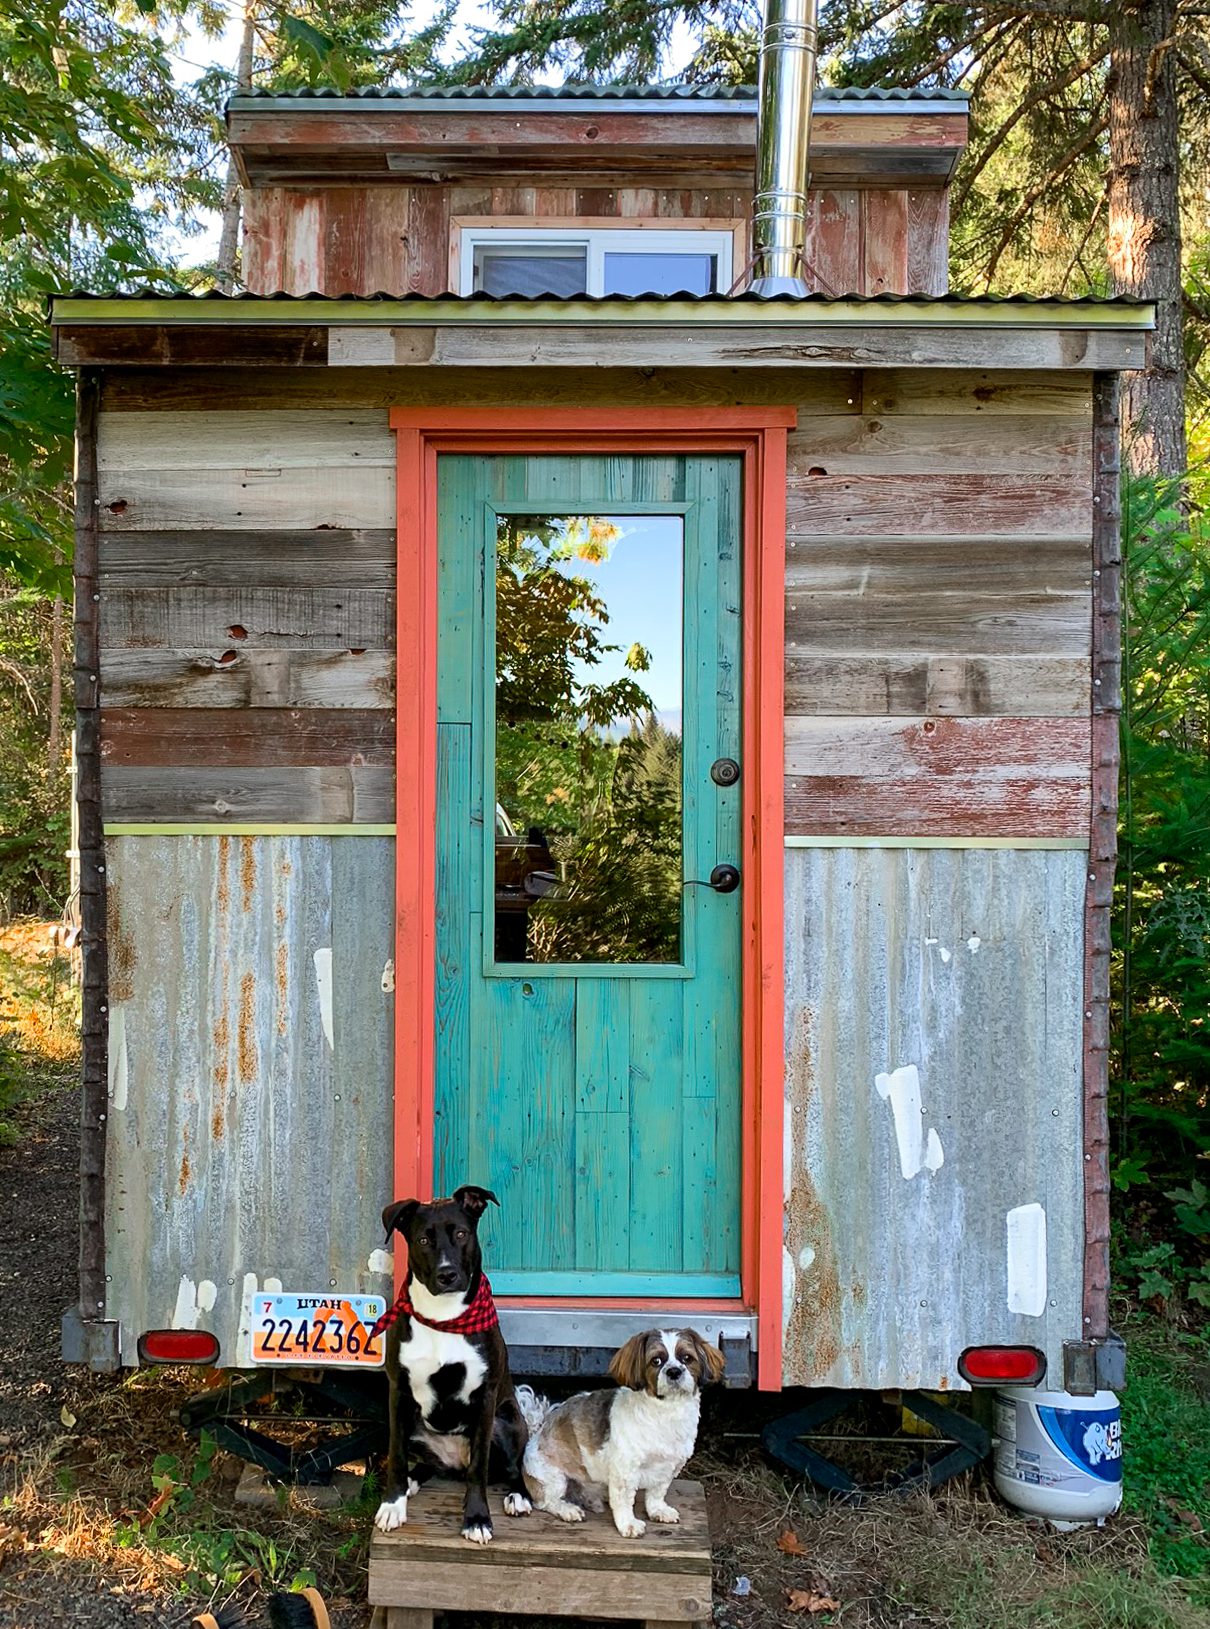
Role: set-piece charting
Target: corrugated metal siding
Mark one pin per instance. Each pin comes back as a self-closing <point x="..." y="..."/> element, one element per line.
<point x="252" y="1109"/>
<point x="967" y="965"/>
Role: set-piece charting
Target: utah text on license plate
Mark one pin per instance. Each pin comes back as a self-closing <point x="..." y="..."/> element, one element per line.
<point x="333" y="1330"/>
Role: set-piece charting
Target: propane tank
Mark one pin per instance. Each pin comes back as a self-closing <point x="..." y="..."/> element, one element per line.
<point x="1059" y="1456"/>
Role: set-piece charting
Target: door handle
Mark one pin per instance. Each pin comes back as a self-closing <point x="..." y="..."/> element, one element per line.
<point x="724" y="879"/>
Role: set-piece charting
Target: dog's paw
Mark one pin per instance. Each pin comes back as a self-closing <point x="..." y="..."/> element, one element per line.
<point x="566" y="1511"/>
<point x="478" y="1530"/>
<point x="516" y="1504"/>
<point x="393" y="1513"/>
<point x="660" y="1512"/>
<point x="413" y="1486"/>
<point x="630" y="1527"/>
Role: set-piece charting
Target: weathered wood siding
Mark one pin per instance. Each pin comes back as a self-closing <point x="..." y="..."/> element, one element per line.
<point x="395" y="238"/>
<point x="938" y="584"/>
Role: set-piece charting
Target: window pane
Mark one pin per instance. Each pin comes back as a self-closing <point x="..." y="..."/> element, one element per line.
<point x="589" y="633"/>
<point x="528" y="269"/>
<point x="660" y="274"/>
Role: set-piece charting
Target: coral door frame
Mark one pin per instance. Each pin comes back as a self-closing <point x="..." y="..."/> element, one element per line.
<point x="758" y="435"/>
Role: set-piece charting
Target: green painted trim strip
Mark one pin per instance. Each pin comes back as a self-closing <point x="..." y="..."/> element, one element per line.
<point x="240" y="828"/>
<point x="1072" y="843"/>
<point x="672" y="1286"/>
<point x="699" y="314"/>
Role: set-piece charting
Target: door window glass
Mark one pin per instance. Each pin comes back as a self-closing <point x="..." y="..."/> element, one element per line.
<point x="588" y="680"/>
<point x="531" y="269"/>
<point x="660" y="274"/>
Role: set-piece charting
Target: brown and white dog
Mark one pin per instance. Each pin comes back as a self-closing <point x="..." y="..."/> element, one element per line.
<point x="615" y="1444"/>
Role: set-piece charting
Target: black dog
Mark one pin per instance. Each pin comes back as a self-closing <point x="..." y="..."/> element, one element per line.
<point x="457" y="1407"/>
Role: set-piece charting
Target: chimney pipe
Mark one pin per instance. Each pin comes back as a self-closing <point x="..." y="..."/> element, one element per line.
<point x="787" y="81"/>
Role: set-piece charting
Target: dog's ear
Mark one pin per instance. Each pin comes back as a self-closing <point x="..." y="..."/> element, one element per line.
<point x="628" y="1365"/>
<point x="713" y="1363"/>
<point x="399" y="1215"/>
<point x="474" y="1201"/>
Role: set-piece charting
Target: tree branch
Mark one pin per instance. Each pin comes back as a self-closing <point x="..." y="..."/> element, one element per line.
<point x="1031" y="197"/>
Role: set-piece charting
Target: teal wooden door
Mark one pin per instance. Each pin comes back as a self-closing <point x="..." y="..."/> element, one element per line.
<point x="587" y="987"/>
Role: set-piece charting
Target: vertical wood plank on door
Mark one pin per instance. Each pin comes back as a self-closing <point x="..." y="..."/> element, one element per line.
<point x="459" y="571"/>
<point x="656" y="1044"/>
<point x="454" y="906"/>
<point x="602" y="1186"/>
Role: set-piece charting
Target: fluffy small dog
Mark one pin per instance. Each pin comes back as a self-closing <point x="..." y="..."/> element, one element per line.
<point x="614" y="1444"/>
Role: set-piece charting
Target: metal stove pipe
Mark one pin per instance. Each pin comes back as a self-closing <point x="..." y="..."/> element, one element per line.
<point x="787" y="81"/>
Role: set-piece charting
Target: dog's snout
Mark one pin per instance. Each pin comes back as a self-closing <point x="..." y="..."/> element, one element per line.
<point x="674" y="1371"/>
<point x="447" y="1275"/>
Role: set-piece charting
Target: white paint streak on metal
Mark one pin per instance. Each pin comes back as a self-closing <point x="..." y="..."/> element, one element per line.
<point x="273" y="1286"/>
<point x="184" y="1314"/>
<point x="1027" y="1260"/>
<point x="381" y="1261"/>
<point x="323" y="981"/>
<point x="388" y="978"/>
<point x="973" y="943"/>
<point x="207" y="1295"/>
<point x="243" y="1340"/>
<point x="788" y="1283"/>
<point x="119" y="1070"/>
<point x="805" y="1257"/>
<point x="901" y="1088"/>
<point x="945" y="954"/>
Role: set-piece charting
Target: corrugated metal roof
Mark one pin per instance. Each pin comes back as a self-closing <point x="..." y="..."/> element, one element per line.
<point x="718" y="300"/>
<point x="727" y="94"/>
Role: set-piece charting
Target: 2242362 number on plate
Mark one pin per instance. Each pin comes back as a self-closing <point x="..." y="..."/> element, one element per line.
<point x="309" y="1330"/>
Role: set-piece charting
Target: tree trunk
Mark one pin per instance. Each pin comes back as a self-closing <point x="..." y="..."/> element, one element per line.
<point x="54" y="743"/>
<point x="1145" y="223"/>
<point x="228" y="247"/>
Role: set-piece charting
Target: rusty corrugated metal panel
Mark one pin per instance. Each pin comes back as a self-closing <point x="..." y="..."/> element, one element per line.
<point x="964" y="966"/>
<point x="250" y="1073"/>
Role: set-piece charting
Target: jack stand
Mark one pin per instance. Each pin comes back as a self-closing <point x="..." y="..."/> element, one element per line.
<point x="963" y="1446"/>
<point x="326" y="1397"/>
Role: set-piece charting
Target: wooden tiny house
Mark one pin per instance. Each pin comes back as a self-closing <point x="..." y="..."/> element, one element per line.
<point x="397" y="857"/>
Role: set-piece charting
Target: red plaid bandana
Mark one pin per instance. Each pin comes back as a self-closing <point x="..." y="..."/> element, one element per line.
<point x="478" y="1318"/>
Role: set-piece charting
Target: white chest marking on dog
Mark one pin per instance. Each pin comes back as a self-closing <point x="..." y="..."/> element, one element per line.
<point x="427" y="1350"/>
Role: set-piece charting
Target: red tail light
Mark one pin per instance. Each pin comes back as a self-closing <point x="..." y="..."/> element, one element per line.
<point x="177" y="1346"/>
<point x="1002" y="1365"/>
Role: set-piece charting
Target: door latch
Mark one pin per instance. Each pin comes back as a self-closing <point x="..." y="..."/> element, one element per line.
<point x="724" y="879"/>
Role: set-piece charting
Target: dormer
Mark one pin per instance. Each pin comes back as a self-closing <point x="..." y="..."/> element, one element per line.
<point x="581" y="190"/>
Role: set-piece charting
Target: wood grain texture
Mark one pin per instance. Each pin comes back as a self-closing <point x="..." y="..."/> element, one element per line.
<point x="236" y="676"/>
<point x="350" y="558"/>
<point x="976" y="392"/>
<point x="928" y="240"/>
<point x="248" y="438"/>
<point x="225" y="619"/>
<point x="226" y="738"/>
<point x="935" y="505"/>
<point x="904" y="685"/>
<point x="885" y="241"/>
<point x="275" y="796"/>
<point x="942" y="444"/>
<point x="937" y="777"/>
<point x="177" y="345"/>
<point x="168" y="498"/>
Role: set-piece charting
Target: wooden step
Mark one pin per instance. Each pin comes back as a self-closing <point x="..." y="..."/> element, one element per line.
<point x="538" y="1564"/>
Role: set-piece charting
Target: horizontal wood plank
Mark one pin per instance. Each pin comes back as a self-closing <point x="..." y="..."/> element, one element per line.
<point x="920" y="624"/>
<point x="179" y="345"/>
<point x="903" y="685"/>
<point x="359" y="794"/>
<point x="225" y="738"/>
<point x="254" y="439"/>
<point x="236" y="676"/>
<point x="894" y="777"/>
<point x="940" y="444"/>
<point x="169" y="498"/>
<point x="989" y="568"/>
<point x="340" y="389"/>
<point x="234" y="619"/>
<point x="975" y="392"/>
<point x="936" y="505"/>
<point x="350" y="558"/>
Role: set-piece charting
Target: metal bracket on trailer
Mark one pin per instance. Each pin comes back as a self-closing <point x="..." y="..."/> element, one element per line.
<point x="1092" y="1366"/>
<point x="95" y="1341"/>
<point x="964" y="1445"/>
<point x="228" y="1415"/>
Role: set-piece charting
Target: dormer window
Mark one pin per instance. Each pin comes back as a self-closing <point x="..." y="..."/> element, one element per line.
<point x="566" y="261"/>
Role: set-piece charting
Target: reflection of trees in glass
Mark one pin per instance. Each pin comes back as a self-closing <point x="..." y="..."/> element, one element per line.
<point x="585" y="761"/>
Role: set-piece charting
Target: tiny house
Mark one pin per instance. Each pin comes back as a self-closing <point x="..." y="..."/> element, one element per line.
<point x="554" y="717"/>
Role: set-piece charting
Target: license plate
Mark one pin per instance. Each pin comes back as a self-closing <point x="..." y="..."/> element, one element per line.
<point x="332" y="1330"/>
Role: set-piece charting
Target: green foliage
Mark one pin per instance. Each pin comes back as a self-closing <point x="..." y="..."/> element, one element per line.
<point x="1161" y="1058"/>
<point x="34" y="791"/>
<point x="1166" y="1430"/>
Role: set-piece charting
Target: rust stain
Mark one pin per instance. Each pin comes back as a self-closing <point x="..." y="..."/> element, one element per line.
<point x="248" y="1058"/>
<point x="217" y="1123"/>
<point x="222" y="891"/>
<point x="221" y="1036"/>
<point x="812" y="1343"/>
<point x="183" y="1179"/>
<point x="283" y="987"/>
<point x="247" y="873"/>
<point x="122" y="958"/>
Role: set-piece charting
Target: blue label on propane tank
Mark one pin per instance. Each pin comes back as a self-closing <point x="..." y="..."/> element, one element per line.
<point x="1093" y="1442"/>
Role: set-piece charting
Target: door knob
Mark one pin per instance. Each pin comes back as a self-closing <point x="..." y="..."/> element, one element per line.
<point x="724" y="879"/>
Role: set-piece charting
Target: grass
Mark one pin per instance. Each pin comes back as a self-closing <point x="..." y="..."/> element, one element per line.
<point x="39" y="1019"/>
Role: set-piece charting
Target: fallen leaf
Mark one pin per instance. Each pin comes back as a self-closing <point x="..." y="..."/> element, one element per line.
<point x="156" y="1505"/>
<point x="66" y="1415"/>
<point x="789" y="1543"/>
<point x="808" y="1600"/>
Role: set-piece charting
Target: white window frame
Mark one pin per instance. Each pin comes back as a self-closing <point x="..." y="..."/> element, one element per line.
<point x="663" y="237"/>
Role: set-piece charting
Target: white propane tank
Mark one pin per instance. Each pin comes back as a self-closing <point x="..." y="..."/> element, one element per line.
<point x="1059" y="1456"/>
